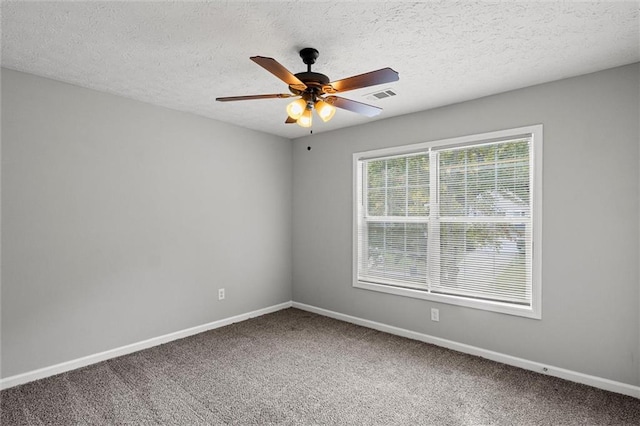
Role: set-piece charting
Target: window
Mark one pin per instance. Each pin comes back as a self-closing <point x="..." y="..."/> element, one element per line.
<point x="455" y="221"/>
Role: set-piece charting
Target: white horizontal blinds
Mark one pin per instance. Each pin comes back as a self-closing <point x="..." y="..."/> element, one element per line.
<point x="397" y="253"/>
<point x="394" y="223"/>
<point x="484" y="221"/>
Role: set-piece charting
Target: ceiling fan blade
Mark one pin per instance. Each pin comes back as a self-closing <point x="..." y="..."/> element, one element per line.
<point x="250" y="97"/>
<point x="349" y="105"/>
<point x="275" y="68"/>
<point x="290" y="120"/>
<point x="373" y="78"/>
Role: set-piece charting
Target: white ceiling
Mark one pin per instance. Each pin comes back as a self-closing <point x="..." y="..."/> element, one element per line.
<point x="183" y="55"/>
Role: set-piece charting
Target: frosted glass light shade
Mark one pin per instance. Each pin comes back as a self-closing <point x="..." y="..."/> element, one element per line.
<point x="296" y="108"/>
<point x="305" y="119"/>
<point x="325" y="110"/>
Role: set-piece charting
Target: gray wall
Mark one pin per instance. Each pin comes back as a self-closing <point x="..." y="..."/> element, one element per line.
<point x="120" y="220"/>
<point x="590" y="308"/>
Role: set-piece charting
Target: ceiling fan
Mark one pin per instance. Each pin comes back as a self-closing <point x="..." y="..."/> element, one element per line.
<point x="315" y="90"/>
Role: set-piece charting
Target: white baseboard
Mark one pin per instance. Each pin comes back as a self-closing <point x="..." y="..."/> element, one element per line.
<point x="574" y="376"/>
<point x="41" y="373"/>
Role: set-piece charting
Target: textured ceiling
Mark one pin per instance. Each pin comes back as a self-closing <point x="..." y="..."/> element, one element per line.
<point x="183" y="55"/>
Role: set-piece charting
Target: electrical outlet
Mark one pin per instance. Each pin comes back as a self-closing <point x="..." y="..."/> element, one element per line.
<point x="435" y="314"/>
<point x="221" y="294"/>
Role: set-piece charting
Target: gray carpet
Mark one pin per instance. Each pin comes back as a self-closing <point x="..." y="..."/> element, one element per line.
<point x="294" y="367"/>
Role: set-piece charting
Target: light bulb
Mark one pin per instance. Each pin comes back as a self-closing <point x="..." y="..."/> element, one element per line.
<point x="306" y="118"/>
<point x="325" y="110"/>
<point x="296" y="108"/>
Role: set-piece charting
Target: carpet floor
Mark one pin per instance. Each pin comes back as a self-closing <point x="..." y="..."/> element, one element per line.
<point x="294" y="367"/>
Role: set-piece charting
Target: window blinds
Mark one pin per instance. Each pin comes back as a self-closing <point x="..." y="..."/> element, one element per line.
<point x="454" y="221"/>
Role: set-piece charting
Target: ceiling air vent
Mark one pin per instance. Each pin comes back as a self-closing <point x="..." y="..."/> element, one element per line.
<point x="376" y="96"/>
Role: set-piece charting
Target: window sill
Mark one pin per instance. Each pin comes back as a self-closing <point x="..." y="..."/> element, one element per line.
<point x="504" y="308"/>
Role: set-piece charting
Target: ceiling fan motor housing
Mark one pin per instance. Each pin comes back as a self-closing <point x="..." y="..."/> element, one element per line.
<point x="314" y="81"/>
<point x="311" y="78"/>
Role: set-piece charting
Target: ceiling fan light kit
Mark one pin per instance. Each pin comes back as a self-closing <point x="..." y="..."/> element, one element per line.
<point x="306" y="119"/>
<point x="316" y="91"/>
<point x="296" y="108"/>
<point x="325" y="111"/>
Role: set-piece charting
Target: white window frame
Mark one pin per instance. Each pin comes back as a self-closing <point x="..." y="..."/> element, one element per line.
<point x="535" y="132"/>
